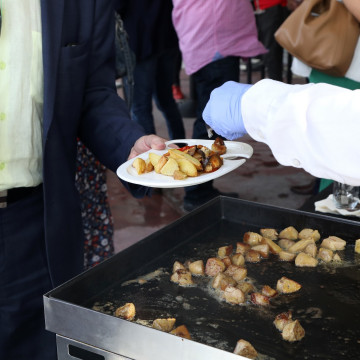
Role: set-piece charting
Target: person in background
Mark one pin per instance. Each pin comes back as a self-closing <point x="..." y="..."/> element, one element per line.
<point x="153" y="39"/>
<point x="316" y="141"/>
<point x="351" y="81"/>
<point x="213" y="35"/>
<point x="270" y="14"/>
<point x="57" y="83"/>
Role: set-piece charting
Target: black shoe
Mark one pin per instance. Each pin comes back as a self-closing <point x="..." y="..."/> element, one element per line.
<point x="192" y="204"/>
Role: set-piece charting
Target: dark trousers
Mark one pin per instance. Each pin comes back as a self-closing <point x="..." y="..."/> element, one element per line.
<point x="153" y="80"/>
<point x="206" y="80"/>
<point x="24" y="278"/>
<point x="267" y="23"/>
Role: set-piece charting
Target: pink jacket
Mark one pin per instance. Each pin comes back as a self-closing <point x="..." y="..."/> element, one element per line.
<point x="211" y="29"/>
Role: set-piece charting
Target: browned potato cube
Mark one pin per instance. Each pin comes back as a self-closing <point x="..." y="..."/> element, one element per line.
<point x="286" y="256"/>
<point x="282" y="319"/>
<point x="263" y="249"/>
<point x="126" y="312"/>
<point x="357" y="246"/>
<point x="259" y="299"/>
<point x="245" y="287"/>
<point x="197" y="267"/>
<point x="253" y="256"/>
<point x="139" y="165"/>
<point x="227" y="261"/>
<point x="187" y="167"/>
<point x="252" y="238"/>
<point x="242" y="248"/>
<point x="221" y="281"/>
<point x="309" y="233"/>
<point x="287" y="286"/>
<point x="268" y="291"/>
<point x="337" y="258"/>
<point x="325" y="255"/>
<point x="178" y="265"/>
<point x="154" y="158"/>
<point x="161" y="162"/>
<point x="148" y="166"/>
<point x="274" y="248"/>
<point x="305" y="260"/>
<point x="178" y="154"/>
<point x="333" y="243"/>
<point x="182" y="277"/>
<point x="164" y="324"/>
<point x="300" y="245"/>
<point x="181" y="331"/>
<point x="236" y="272"/>
<point x="214" y="266"/>
<point x="293" y="331"/>
<point x="225" y="251"/>
<point x="233" y="295"/>
<point x="238" y="259"/>
<point x="311" y="250"/>
<point x="244" y="348"/>
<point x="289" y="233"/>
<point x="286" y="244"/>
<point x="269" y="234"/>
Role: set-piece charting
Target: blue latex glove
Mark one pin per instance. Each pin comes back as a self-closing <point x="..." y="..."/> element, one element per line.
<point x="223" y="111"/>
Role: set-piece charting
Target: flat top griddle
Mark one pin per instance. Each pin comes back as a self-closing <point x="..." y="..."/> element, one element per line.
<point x="327" y="306"/>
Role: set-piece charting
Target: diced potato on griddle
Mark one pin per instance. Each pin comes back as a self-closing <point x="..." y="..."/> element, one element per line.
<point x="227" y="261"/>
<point x="259" y="299"/>
<point x="300" y="245"/>
<point x="178" y="265"/>
<point x="170" y="167"/>
<point x="244" y="348"/>
<point x="286" y="244"/>
<point x="225" y="251"/>
<point x="165" y="325"/>
<point x="242" y="248"/>
<point x="357" y="246"/>
<point x="311" y="249"/>
<point x="197" y="267"/>
<point x="289" y="233"/>
<point x="182" y="277"/>
<point x="154" y="158"/>
<point x="305" y="260"/>
<point x="268" y="291"/>
<point x="274" y="248"/>
<point x="333" y="243"/>
<point x="221" y="281"/>
<point x="309" y="233"/>
<point x="214" y="266"/>
<point x="126" y="312"/>
<point x="178" y="154"/>
<point x="238" y="259"/>
<point x="236" y="272"/>
<point x="233" y="295"/>
<point x="263" y="249"/>
<point x="252" y="238"/>
<point x="161" y="162"/>
<point x="253" y="256"/>
<point x="325" y="255"/>
<point x="287" y="286"/>
<point x="181" y="331"/>
<point x="286" y="256"/>
<point x="337" y="258"/>
<point x="139" y="165"/>
<point x="269" y="234"/>
<point x="179" y="175"/>
<point x="282" y="319"/>
<point x="245" y="287"/>
<point x="293" y="331"/>
<point x="187" y="167"/>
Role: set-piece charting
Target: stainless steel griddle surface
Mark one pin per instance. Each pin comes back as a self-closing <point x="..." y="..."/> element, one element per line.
<point x="327" y="306"/>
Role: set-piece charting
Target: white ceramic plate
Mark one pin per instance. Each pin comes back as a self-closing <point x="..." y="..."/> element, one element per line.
<point x="232" y="160"/>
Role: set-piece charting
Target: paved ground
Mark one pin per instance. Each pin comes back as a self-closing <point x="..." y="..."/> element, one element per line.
<point x="260" y="179"/>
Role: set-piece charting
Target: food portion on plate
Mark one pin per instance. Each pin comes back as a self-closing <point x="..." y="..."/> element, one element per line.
<point x="188" y="161"/>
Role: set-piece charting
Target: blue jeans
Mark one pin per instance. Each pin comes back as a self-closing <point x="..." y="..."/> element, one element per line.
<point x="206" y="80"/>
<point x="153" y="79"/>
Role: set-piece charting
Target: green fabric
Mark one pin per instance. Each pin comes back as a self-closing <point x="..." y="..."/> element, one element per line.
<point x="319" y="77"/>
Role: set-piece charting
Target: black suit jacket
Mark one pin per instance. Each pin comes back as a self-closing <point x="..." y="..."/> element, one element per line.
<point x="80" y="99"/>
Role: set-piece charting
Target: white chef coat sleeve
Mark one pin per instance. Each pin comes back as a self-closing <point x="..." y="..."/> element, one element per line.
<point x="314" y="126"/>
